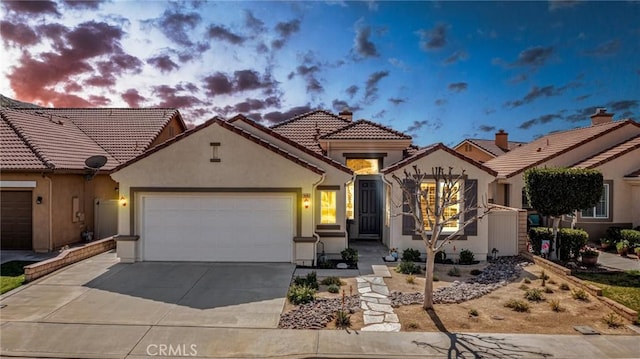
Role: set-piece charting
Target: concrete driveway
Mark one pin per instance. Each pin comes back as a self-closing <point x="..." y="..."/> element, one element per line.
<point x="102" y="291"/>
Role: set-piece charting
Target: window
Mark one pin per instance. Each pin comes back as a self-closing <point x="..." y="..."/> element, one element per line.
<point x="451" y="211"/>
<point x="349" y="200"/>
<point x="467" y="147"/>
<point x="328" y="205"/>
<point x="364" y="166"/>
<point x="600" y="210"/>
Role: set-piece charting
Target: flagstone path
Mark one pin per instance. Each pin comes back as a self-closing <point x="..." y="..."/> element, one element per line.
<point x="374" y="300"/>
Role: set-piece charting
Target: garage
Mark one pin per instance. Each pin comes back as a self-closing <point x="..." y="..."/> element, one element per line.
<point x="16" y="219"/>
<point x="218" y="227"/>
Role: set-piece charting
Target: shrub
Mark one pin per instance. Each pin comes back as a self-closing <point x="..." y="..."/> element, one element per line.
<point x="411" y="255"/>
<point x="413" y="325"/>
<point x="543" y="275"/>
<point x="435" y="278"/>
<point x="343" y="319"/>
<point x="612" y="320"/>
<point x="333" y="288"/>
<point x="517" y="305"/>
<point x="534" y="295"/>
<point x="466" y="257"/>
<point x="524" y="287"/>
<point x="552" y="282"/>
<point x="537" y="235"/>
<point x="407" y="268"/>
<point x="622" y="245"/>
<point x="614" y="234"/>
<point x="555" y="306"/>
<point x="411" y="279"/>
<point x="310" y="280"/>
<point x="349" y="255"/>
<point x="332" y="280"/>
<point x="301" y="294"/>
<point x="580" y="294"/>
<point x="571" y="240"/>
<point x="441" y="256"/>
<point x="454" y="272"/>
<point x="630" y="235"/>
<point x="564" y="286"/>
<point x="548" y="290"/>
<point x="527" y="281"/>
<point x="473" y="312"/>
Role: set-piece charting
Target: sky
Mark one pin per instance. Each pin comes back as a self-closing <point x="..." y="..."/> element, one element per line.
<point x="439" y="71"/>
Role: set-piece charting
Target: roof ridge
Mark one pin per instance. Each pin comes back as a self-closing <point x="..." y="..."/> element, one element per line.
<point x="298" y="117"/>
<point x="634" y="147"/>
<point x="27" y="141"/>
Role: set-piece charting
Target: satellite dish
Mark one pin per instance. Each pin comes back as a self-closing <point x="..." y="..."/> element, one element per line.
<point x="95" y="162"/>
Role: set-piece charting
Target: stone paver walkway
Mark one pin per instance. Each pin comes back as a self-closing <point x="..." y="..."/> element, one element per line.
<point x="374" y="300"/>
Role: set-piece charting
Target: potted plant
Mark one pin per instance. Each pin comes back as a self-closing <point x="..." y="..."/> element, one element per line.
<point x="623" y="247"/>
<point x="589" y="255"/>
<point x="637" y="252"/>
<point x="605" y="243"/>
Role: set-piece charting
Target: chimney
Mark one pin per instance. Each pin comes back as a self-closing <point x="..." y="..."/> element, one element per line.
<point x="502" y="140"/>
<point x="601" y="116"/>
<point x="346" y="114"/>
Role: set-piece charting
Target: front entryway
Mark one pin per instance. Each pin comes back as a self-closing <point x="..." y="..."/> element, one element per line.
<point x="369" y="208"/>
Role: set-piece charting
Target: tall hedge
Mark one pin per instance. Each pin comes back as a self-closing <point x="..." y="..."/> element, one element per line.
<point x="558" y="191"/>
<point x="571" y="240"/>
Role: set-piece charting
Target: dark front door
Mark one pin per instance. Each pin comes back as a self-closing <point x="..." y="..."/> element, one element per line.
<point x="369" y="207"/>
<point x="15" y="220"/>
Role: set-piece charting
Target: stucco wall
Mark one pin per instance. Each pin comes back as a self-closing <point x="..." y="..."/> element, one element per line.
<point x="64" y="187"/>
<point x="187" y="164"/>
<point x="478" y="244"/>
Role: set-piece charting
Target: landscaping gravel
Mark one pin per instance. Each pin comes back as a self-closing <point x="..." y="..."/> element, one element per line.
<point x="497" y="274"/>
<point x="317" y="314"/>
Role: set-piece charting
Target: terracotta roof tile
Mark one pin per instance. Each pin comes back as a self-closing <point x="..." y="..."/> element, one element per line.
<point x="425" y="151"/>
<point x="56" y="141"/>
<point x="491" y="147"/>
<point x="365" y="130"/>
<point x="123" y="132"/>
<point x="611" y="153"/>
<point x="14" y="151"/>
<point x="305" y="129"/>
<point x="634" y="174"/>
<point x="550" y="146"/>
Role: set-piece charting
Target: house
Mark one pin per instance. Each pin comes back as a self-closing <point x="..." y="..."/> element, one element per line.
<point x="48" y="195"/>
<point x="238" y="191"/>
<point x="609" y="146"/>
<point x="483" y="150"/>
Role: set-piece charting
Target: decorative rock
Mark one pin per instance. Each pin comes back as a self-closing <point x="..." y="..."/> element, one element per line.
<point x="382" y="327"/>
<point x="380" y="289"/>
<point x="372" y="319"/>
<point x="317" y="314"/>
<point x="342" y="266"/>
<point x="391" y="318"/>
<point x="381" y="307"/>
<point x="497" y="317"/>
<point x="374" y="295"/>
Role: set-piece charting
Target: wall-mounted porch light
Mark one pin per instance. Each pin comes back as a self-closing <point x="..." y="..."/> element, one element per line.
<point x="39" y="200"/>
<point x="306" y="200"/>
<point x="123" y="201"/>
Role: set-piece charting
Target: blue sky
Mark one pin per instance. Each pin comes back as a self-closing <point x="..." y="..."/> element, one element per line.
<point x="440" y="71"/>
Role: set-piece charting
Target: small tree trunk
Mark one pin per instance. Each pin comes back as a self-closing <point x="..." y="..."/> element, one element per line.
<point x="428" y="284"/>
<point x="556" y="245"/>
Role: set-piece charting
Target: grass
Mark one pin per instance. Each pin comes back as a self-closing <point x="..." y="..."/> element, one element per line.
<point x="623" y="287"/>
<point x="12" y="275"/>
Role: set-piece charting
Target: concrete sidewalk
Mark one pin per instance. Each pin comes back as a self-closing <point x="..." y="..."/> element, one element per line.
<point x="617" y="262"/>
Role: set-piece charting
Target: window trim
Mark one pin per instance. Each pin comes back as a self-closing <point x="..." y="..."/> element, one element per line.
<point x="608" y="184"/>
<point x="447" y="230"/>
<point x="335" y="206"/>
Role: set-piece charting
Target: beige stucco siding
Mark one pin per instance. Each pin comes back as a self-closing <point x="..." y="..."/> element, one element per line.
<point x="478" y="244"/>
<point x="243" y="164"/>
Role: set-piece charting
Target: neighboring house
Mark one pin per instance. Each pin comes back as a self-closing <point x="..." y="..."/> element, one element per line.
<point x="48" y="196"/>
<point x="484" y="150"/>
<point x="238" y="191"/>
<point x="609" y="146"/>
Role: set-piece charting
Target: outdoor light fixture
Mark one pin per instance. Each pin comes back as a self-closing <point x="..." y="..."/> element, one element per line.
<point x="306" y="200"/>
<point x="123" y="201"/>
<point x="39" y="200"/>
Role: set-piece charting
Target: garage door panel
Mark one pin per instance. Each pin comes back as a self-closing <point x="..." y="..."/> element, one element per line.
<point x="16" y="226"/>
<point x="238" y="227"/>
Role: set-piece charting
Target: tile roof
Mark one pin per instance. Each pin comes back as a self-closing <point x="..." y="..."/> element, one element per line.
<point x="634" y="174"/>
<point x="430" y="149"/>
<point x="290" y="142"/>
<point x="550" y="146"/>
<point x="306" y="128"/>
<point x="226" y="125"/>
<point x="123" y="132"/>
<point x="56" y="141"/>
<point x="491" y="147"/>
<point x="611" y="153"/>
<point x="14" y="151"/>
<point x="365" y="130"/>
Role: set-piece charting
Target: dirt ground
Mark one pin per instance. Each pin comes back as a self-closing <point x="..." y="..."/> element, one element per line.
<point x="493" y="316"/>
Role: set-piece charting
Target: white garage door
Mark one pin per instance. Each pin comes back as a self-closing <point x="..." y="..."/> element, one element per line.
<point x="250" y="227"/>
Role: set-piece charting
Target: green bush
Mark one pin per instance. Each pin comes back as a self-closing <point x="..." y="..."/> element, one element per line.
<point x="517" y="305"/>
<point x="301" y="294"/>
<point x="454" y="272"/>
<point x="349" y="255"/>
<point x="333" y="288"/>
<point x="411" y="255"/>
<point x="613" y="234"/>
<point x="466" y="257"/>
<point x="343" y="319"/>
<point x="630" y="235"/>
<point x="407" y="268"/>
<point x="534" y="295"/>
<point x="332" y="280"/>
<point x="441" y="256"/>
<point x="580" y="294"/>
<point x="310" y="280"/>
<point x="571" y="240"/>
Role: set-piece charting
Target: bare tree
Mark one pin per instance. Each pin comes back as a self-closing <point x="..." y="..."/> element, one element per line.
<point x="434" y="208"/>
